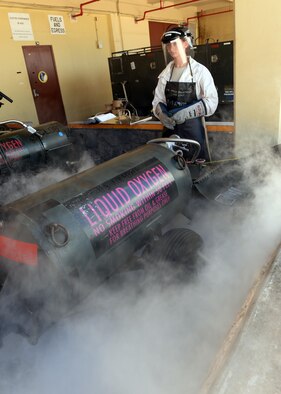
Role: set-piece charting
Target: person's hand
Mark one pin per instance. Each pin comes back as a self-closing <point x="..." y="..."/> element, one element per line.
<point x="190" y="112"/>
<point x="162" y="114"/>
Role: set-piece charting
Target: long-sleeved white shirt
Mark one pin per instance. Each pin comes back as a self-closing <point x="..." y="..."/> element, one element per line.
<point x="205" y="87"/>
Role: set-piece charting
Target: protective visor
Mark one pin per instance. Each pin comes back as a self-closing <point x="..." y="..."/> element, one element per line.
<point x="171" y="35"/>
<point x="176" y="49"/>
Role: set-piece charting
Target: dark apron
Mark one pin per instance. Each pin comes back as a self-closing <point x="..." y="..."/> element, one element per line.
<point x="177" y="95"/>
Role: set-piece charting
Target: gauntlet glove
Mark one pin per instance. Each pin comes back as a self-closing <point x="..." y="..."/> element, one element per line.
<point x="191" y="111"/>
<point x="162" y="114"/>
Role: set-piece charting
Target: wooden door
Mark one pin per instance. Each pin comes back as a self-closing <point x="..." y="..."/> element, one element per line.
<point x="43" y="78"/>
<point x="156" y="29"/>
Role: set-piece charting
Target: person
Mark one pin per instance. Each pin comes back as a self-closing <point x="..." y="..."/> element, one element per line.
<point x="185" y="92"/>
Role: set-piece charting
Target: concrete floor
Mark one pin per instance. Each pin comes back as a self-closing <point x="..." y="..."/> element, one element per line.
<point x="254" y="365"/>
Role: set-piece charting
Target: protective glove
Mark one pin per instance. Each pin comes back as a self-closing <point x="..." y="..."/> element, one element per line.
<point x="191" y="111"/>
<point x="162" y="114"/>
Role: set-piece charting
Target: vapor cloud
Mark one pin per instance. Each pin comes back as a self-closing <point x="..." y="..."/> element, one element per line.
<point x="142" y="337"/>
<point x="20" y="185"/>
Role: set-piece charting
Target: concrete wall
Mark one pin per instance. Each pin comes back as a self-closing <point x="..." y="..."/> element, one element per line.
<point x="82" y="67"/>
<point x="257" y="71"/>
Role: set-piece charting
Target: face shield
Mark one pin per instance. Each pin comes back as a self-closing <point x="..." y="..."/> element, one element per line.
<point x="176" y="46"/>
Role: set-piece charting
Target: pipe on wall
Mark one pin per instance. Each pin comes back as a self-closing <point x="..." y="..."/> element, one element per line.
<point x="81" y="8"/>
<point x="162" y="7"/>
<point x="203" y="15"/>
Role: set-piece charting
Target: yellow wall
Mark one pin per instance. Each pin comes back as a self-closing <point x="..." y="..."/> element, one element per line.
<point x="82" y="68"/>
<point x="258" y="70"/>
<point x="219" y="27"/>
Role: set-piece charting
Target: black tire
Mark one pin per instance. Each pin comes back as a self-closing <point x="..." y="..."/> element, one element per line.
<point x="177" y="245"/>
<point x="175" y="255"/>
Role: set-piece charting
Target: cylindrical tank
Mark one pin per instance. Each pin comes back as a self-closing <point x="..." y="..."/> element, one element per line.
<point x="79" y="231"/>
<point x="21" y="150"/>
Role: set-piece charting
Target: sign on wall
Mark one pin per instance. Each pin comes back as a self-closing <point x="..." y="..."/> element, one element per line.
<point x="21" y="26"/>
<point x="56" y="24"/>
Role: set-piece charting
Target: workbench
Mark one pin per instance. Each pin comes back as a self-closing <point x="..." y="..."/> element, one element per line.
<point x="114" y="137"/>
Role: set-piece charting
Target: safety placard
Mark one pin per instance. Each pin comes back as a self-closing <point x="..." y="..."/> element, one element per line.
<point x="56" y="24"/>
<point x="21" y="26"/>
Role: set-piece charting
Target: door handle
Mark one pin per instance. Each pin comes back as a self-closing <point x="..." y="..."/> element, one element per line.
<point x="35" y="94"/>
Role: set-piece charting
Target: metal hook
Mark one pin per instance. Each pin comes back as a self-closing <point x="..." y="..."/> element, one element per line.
<point x="52" y="229"/>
